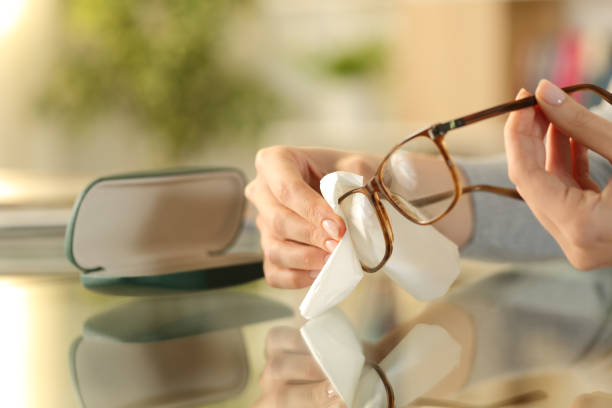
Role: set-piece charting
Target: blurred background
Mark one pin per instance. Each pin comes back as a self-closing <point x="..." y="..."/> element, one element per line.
<point x="93" y="87"/>
<point x="98" y="87"/>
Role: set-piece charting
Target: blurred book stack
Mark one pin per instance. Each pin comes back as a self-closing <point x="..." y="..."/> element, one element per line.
<point x="567" y="42"/>
<point x="34" y="212"/>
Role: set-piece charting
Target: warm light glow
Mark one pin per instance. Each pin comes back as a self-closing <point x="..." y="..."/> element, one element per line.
<point x="10" y="11"/>
<point x="13" y="345"/>
<point x="7" y="190"/>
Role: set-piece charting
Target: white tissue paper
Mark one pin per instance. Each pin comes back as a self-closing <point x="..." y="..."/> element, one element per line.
<point x="424" y="262"/>
<point x="425" y="356"/>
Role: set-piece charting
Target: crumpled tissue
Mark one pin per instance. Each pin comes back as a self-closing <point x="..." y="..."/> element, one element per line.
<point x="424" y="262"/>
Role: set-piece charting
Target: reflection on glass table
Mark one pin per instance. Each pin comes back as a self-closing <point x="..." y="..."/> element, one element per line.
<point x="168" y="352"/>
<point x="516" y="338"/>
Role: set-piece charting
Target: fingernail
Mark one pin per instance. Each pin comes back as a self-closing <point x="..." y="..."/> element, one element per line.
<point x="313" y="274"/>
<point x="551" y="93"/>
<point x="330" y="244"/>
<point x="331" y="392"/>
<point x="331" y="228"/>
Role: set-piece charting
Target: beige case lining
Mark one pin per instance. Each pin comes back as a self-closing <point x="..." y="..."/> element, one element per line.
<point x="162" y="224"/>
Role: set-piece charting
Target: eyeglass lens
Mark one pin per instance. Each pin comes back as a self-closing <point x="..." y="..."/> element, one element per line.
<point x="419" y="180"/>
<point x="364" y="228"/>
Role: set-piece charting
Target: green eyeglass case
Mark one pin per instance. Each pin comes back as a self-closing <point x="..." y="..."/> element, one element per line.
<point x="142" y="233"/>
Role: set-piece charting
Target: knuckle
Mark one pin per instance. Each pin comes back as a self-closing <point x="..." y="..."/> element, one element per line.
<point x="278" y="220"/>
<point x="315" y="236"/>
<point x="307" y="260"/>
<point x="299" y="279"/>
<point x="262" y="156"/>
<point x="271" y="275"/>
<point x="277" y="366"/>
<point x="285" y="191"/>
<point x="312" y="369"/>
<point x="249" y="190"/>
<point x="275" y="336"/>
<point x="290" y="191"/>
<point x="312" y="213"/>
<point x="296" y="281"/>
<point x="267" y="154"/>
<point x="272" y="281"/>
<point x="274" y="253"/>
<point x="356" y="164"/>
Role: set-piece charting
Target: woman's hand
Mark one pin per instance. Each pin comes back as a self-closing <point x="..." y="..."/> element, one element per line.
<point x="298" y="228"/>
<point x="547" y="150"/>
<point x="292" y="378"/>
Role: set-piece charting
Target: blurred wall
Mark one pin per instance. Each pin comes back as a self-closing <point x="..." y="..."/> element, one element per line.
<point x="442" y="59"/>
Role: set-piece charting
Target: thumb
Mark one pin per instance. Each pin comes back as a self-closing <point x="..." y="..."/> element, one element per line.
<point x="574" y="120"/>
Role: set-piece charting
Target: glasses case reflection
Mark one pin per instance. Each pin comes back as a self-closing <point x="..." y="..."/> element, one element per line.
<point x="169" y="351"/>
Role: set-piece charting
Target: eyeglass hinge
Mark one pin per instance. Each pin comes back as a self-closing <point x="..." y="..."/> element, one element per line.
<point x="440" y="129"/>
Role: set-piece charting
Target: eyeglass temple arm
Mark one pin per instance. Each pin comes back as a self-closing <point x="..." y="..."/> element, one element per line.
<point x="423" y="201"/>
<point x="441" y="128"/>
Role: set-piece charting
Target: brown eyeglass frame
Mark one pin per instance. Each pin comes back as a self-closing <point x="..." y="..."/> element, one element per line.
<point x="375" y="188"/>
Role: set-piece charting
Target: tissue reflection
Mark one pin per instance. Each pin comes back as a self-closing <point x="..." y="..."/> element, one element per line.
<point x="168" y="351"/>
<point x="420" y="360"/>
<point x="496" y="342"/>
<point x="335" y="346"/>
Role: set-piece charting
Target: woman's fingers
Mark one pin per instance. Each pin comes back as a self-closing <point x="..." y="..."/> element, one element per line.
<point x="291" y="367"/>
<point x="580" y="167"/>
<point x="292" y="377"/>
<point x="559" y="155"/>
<point x="560" y="193"/>
<point x="298" y="228"/>
<point x="574" y="120"/>
<point x="309" y="395"/>
<point x="286" y="254"/>
<point x="525" y="149"/>
<point x="287" y="178"/>
<point x="284" y="339"/>
<point x="282" y="222"/>
<point x="526" y="152"/>
<point x="286" y="278"/>
<point x="524" y="141"/>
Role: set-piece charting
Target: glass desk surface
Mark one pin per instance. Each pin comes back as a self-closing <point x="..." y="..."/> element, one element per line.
<point x="533" y="336"/>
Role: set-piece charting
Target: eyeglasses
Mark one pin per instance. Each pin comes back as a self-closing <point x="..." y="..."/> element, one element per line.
<point x="423" y="187"/>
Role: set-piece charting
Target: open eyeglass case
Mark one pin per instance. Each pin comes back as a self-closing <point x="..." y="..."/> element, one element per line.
<point x="144" y="232"/>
